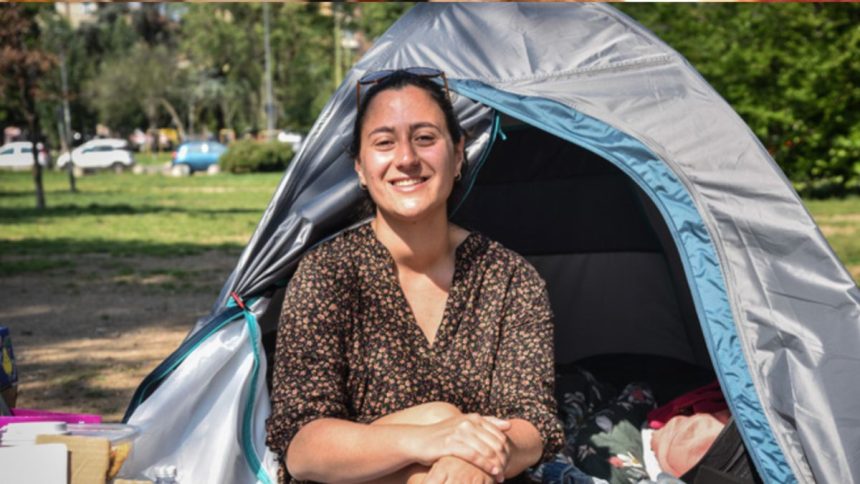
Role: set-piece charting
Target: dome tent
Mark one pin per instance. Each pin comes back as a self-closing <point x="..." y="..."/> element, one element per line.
<point x="658" y="220"/>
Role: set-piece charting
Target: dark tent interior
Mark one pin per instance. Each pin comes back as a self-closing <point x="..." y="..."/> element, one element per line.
<point x="622" y="305"/>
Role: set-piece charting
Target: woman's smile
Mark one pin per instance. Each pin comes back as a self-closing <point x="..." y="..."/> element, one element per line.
<point x="409" y="184"/>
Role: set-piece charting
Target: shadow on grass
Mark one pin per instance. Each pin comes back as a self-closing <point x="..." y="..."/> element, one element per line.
<point x="17" y="194"/>
<point x="81" y="385"/>
<point x="66" y="246"/>
<point x="29" y="214"/>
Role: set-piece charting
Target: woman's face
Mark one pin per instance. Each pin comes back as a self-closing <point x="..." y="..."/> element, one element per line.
<point x="407" y="160"/>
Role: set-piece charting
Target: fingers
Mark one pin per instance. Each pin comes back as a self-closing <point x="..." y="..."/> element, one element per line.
<point x="498" y="443"/>
<point x="500" y="423"/>
<point x="434" y="478"/>
<point x="483" y="445"/>
<point x="494" y="430"/>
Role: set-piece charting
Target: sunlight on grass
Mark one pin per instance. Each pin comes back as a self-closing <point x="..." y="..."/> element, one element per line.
<point x="152" y="158"/>
<point x="839" y="220"/>
<point x="157" y="215"/>
<point x="122" y="214"/>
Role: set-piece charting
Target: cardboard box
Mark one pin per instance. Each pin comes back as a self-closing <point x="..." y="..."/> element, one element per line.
<point x="89" y="457"/>
<point x="44" y="464"/>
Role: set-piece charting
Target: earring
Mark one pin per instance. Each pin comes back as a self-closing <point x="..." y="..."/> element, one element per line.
<point x="362" y="186"/>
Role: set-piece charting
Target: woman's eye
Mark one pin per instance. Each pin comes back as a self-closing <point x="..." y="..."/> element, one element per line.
<point x="425" y="138"/>
<point x="383" y="143"/>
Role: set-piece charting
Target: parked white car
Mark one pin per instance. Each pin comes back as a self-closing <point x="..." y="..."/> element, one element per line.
<point x="100" y="153"/>
<point x="18" y="155"/>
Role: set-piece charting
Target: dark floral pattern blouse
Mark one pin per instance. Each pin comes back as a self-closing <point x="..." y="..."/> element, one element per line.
<point x="349" y="346"/>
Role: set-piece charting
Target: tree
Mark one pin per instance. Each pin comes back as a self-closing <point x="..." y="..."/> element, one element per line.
<point x="22" y="65"/>
<point x="139" y="85"/>
<point x="224" y="43"/>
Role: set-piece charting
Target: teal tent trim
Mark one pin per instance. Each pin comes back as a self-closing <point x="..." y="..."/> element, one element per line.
<point x="698" y="255"/>
<point x="248" y="412"/>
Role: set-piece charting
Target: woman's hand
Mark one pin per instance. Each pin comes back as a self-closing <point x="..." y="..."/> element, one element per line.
<point x="476" y="439"/>
<point x="450" y="469"/>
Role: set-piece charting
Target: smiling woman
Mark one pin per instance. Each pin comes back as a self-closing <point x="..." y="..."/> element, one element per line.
<point x="409" y="349"/>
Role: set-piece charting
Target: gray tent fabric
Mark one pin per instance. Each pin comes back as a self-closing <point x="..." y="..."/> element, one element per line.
<point x="780" y="314"/>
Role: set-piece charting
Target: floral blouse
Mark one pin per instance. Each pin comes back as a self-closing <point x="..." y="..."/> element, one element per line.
<point x="349" y="347"/>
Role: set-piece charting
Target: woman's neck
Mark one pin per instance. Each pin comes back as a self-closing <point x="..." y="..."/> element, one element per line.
<point x="417" y="246"/>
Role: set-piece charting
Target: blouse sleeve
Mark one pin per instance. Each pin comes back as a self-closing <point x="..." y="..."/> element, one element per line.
<point x="309" y="377"/>
<point x="524" y="374"/>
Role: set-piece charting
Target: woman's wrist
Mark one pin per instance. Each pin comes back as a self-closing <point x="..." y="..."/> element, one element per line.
<point x="408" y="442"/>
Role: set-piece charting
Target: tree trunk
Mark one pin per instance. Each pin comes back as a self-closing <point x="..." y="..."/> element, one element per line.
<point x="37" y="167"/>
<point x="32" y="117"/>
<point x="177" y="121"/>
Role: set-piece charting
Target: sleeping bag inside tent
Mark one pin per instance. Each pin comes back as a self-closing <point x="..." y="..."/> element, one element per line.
<point x="674" y="250"/>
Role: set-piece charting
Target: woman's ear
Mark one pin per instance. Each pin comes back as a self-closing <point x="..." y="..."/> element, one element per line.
<point x="461" y="154"/>
<point x="357" y="166"/>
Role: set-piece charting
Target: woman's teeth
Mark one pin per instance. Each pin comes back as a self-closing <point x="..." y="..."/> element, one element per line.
<point x="407" y="182"/>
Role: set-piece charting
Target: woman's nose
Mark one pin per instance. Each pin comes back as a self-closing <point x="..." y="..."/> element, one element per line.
<point x="406" y="155"/>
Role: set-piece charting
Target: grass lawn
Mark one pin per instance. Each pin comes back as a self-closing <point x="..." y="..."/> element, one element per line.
<point x="157" y="215"/>
<point x="127" y="214"/>
<point x="152" y="158"/>
<point x="839" y="220"/>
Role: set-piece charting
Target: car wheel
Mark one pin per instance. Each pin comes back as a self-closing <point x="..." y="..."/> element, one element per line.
<point x="117" y="167"/>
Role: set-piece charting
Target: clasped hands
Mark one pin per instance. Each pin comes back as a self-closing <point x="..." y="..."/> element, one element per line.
<point x="468" y="448"/>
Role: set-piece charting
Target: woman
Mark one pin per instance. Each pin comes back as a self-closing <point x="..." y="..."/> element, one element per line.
<point x="411" y="350"/>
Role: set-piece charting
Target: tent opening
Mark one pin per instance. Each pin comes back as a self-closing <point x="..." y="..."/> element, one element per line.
<point x="622" y="305"/>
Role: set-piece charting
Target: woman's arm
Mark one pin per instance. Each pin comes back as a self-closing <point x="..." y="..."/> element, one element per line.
<point x="526" y="446"/>
<point x="524" y="373"/>
<point x="334" y="450"/>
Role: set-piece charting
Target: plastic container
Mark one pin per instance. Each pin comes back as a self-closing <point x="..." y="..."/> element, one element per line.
<point x="116" y="433"/>
<point x="121" y="437"/>
<point x="20" y="415"/>
<point x="24" y="433"/>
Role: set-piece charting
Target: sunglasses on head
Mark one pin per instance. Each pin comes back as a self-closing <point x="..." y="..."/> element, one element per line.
<point x="376" y="77"/>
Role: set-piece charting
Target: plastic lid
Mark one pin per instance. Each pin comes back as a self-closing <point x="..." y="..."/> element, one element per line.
<point x="29" y="430"/>
<point x="113" y="432"/>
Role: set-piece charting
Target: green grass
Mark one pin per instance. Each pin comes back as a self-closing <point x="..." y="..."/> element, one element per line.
<point x="156" y="215"/>
<point x="128" y="214"/>
<point x="839" y="220"/>
<point x="152" y="158"/>
<point x="12" y="267"/>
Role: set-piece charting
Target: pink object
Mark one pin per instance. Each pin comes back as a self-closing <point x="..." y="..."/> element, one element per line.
<point x="683" y="441"/>
<point x="707" y="399"/>
<point x="30" y="415"/>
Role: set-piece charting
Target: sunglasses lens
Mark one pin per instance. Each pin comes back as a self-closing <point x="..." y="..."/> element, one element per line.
<point x="375" y="76"/>
<point x="424" y="71"/>
<point x="379" y="76"/>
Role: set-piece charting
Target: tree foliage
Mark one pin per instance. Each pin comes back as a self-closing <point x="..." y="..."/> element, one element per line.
<point x="22" y="65"/>
<point x="248" y="156"/>
<point x="790" y="70"/>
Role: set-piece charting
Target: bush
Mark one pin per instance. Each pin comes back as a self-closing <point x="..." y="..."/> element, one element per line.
<point x="248" y="156"/>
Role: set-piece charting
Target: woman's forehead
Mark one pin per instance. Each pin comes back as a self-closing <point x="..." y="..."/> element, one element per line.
<point x="408" y="105"/>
